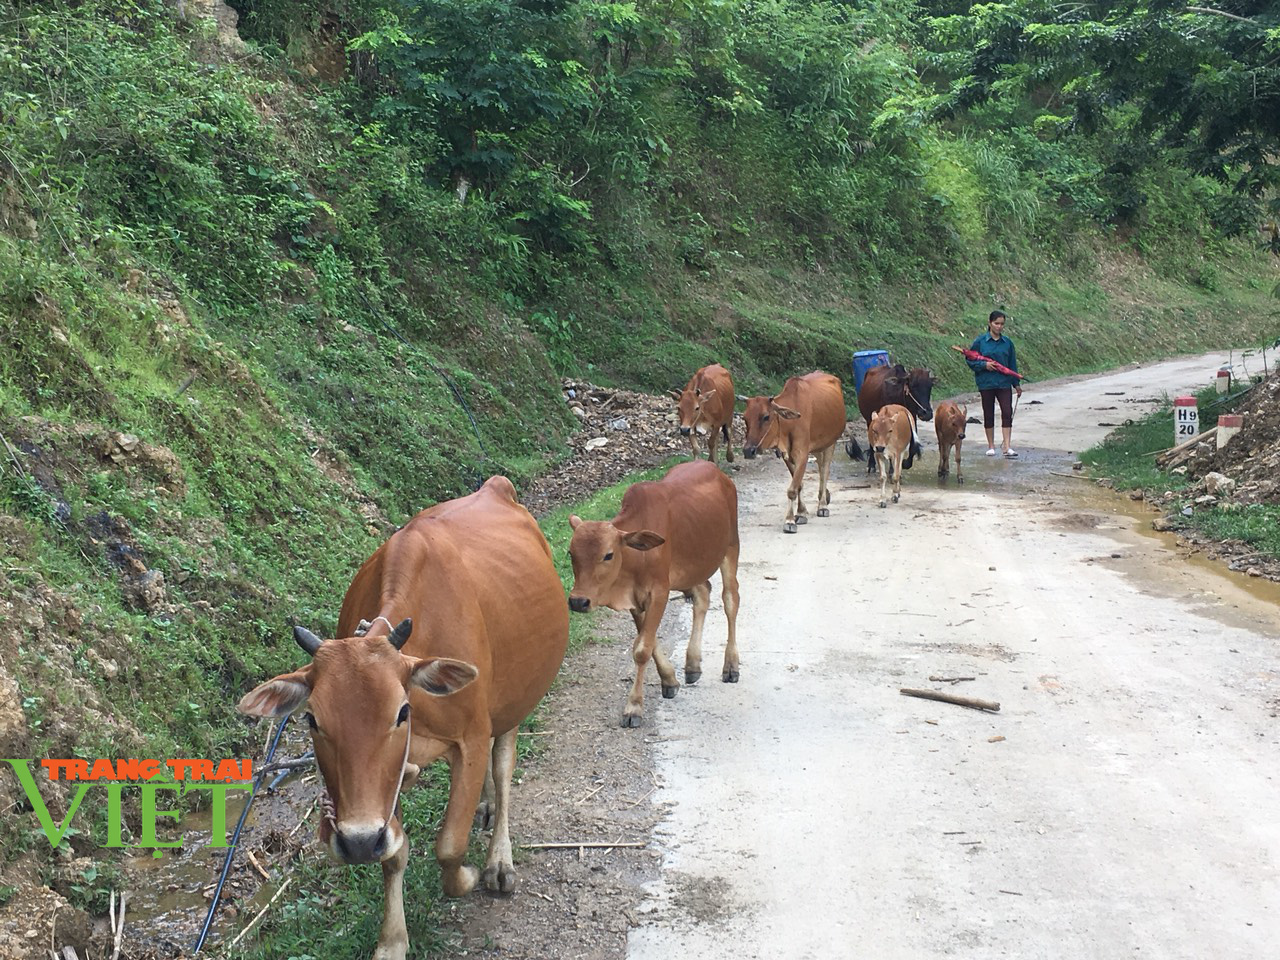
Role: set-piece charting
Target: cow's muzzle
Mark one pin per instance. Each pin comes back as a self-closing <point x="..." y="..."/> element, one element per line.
<point x="360" y="844"/>
<point x="880" y="449"/>
<point x="749" y="452"/>
<point x="579" y="604"/>
<point x="685" y="431"/>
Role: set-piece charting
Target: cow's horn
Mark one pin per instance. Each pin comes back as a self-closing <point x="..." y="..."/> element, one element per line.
<point x="307" y="640"/>
<point x="401" y="633"/>
<point x="741" y="398"/>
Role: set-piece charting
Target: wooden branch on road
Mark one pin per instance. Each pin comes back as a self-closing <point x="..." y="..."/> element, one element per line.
<point x="972" y="702"/>
<point x="582" y="846"/>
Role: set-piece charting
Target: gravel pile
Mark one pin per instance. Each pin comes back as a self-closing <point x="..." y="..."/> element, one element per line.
<point x="622" y="432"/>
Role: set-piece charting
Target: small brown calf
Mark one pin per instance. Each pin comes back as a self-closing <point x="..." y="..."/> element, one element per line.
<point x="890" y="434"/>
<point x="949" y="420"/>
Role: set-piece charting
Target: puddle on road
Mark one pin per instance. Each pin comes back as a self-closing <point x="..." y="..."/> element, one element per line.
<point x="1074" y="503"/>
<point x="1212" y="577"/>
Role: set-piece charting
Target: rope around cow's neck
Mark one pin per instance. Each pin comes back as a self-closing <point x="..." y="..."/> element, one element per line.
<point x="364" y="626"/>
<point x="915" y="435"/>
<point x="910" y="396"/>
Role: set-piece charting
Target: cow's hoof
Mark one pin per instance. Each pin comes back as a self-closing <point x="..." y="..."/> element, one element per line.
<point x="692" y="676"/>
<point x="896" y="497"/>
<point x="459" y="881"/>
<point x="500" y="878"/>
<point x="959" y="479"/>
<point x="729" y="676"/>
<point x="788" y="527"/>
<point x="802" y="518"/>
<point x="824" y="512"/>
<point x="883" y="504"/>
<point x="631" y="720"/>
<point x="669" y="692"/>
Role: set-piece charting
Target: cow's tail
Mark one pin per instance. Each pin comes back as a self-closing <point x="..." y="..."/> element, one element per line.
<point x="853" y="450"/>
<point x="913" y="451"/>
<point x="724" y="432"/>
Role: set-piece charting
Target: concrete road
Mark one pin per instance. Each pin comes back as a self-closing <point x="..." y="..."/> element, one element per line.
<point x="1124" y="801"/>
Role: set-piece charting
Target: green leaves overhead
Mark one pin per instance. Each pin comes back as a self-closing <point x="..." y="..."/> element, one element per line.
<point x="1202" y="81"/>
<point x="481" y="70"/>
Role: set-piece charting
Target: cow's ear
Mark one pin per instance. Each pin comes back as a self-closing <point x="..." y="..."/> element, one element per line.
<point x="786" y="413"/>
<point x="708" y="395"/>
<point x="875" y="414"/>
<point x="441" y="676"/>
<point x="574" y="521"/>
<point x="279" y="696"/>
<point x="933" y="381"/>
<point x="643" y="540"/>
<point x="893" y="381"/>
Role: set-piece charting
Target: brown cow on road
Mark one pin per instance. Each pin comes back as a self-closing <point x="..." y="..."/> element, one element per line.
<point x="481" y="632"/>
<point x="806" y="417"/>
<point x="890" y="437"/>
<point x="949" y="421"/>
<point x="672" y="534"/>
<point x="706" y="406"/>
<point x="885" y="385"/>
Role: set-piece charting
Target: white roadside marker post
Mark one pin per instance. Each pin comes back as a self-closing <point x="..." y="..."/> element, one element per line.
<point x="1186" y="419"/>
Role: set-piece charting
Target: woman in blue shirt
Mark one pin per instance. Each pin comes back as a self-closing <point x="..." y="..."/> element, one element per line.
<point x="996" y="387"/>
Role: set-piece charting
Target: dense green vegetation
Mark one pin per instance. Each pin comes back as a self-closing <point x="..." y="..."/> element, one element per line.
<point x="330" y="275"/>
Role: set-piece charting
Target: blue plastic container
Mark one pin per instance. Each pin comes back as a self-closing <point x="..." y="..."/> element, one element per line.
<point x="863" y="361"/>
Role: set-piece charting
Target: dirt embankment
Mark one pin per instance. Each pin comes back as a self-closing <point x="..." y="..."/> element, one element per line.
<point x="1233" y="476"/>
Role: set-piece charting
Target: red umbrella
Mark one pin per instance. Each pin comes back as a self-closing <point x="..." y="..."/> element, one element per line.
<point x="1000" y="367"/>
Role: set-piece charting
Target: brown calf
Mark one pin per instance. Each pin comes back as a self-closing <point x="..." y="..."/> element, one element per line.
<point x="706" y="406"/>
<point x="806" y="417"/>
<point x="481" y="632"/>
<point x="669" y="535"/>
<point x="890" y="437"/>
<point x="949" y="421"/>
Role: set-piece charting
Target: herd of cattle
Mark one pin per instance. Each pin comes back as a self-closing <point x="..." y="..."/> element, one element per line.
<point x="453" y="630"/>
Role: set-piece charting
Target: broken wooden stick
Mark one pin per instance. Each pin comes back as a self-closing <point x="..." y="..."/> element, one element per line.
<point x="1167" y="457"/>
<point x="1191" y="441"/>
<point x="581" y="846"/>
<point x="115" y="947"/>
<point x="261" y="913"/>
<point x="973" y="702"/>
<point x="949" y="679"/>
<point x="257" y="866"/>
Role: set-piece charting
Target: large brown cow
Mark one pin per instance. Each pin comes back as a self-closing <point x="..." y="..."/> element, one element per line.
<point x="806" y="417"/>
<point x="949" y="422"/>
<point x="672" y="534"/>
<point x="885" y="385"/>
<point x="706" y="406"/>
<point x="481" y="631"/>
<point x="889" y="434"/>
